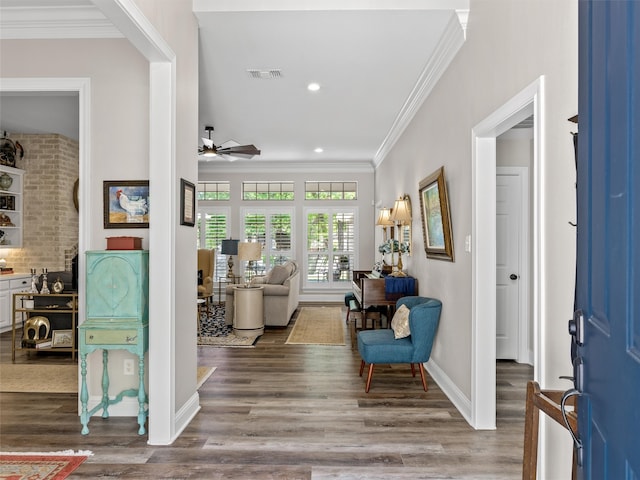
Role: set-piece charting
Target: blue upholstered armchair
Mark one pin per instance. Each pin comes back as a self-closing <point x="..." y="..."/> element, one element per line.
<point x="381" y="346"/>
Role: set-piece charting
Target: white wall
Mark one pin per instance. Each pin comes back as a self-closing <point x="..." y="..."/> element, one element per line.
<point x="509" y="45"/>
<point x="177" y="25"/>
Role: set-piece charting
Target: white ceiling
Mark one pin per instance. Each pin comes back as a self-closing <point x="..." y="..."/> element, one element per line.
<point x="375" y="61"/>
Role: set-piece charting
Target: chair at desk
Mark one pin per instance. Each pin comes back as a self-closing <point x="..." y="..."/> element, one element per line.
<point x="382" y="346"/>
<point x="356" y="315"/>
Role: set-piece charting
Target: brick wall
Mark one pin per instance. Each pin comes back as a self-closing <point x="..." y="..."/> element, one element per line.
<point x="50" y="234"/>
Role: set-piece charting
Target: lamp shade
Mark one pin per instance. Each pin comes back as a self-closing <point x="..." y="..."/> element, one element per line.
<point x="384" y="218"/>
<point x="402" y="211"/>
<point x="249" y="251"/>
<point x="230" y="247"/>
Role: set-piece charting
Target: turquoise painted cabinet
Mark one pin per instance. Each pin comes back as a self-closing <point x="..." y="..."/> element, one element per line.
<point x="117" y="318"/>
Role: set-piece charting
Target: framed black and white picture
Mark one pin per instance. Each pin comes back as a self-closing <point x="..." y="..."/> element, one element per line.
<point x="187" y="203"/>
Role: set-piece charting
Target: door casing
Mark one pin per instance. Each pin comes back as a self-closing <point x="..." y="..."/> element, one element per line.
<point x="483" y="243"/>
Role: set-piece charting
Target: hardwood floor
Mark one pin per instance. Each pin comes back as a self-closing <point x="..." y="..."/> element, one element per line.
<point x="281" y="411"/>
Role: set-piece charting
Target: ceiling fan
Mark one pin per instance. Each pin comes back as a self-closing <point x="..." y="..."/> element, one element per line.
<point x="230" y="150"/>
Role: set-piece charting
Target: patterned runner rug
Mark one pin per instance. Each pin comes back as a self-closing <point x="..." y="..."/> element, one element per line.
<point x="318" y="326"/>
<point x="215" y="333"/>
<point x="40" y="466"/>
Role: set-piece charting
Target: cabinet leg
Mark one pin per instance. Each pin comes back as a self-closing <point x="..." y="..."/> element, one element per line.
<point x="105" y="384"/>
<point x="142" y="397"/>
<point x="84" y="395"/>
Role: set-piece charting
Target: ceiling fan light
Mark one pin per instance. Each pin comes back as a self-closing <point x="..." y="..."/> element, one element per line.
<point x="209" y="153"/>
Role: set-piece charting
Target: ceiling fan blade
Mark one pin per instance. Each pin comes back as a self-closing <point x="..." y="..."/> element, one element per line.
<point x="249" y="150"/>
<point x="207" y="142"/>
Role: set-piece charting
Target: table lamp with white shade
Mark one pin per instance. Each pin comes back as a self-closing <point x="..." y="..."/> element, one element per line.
<point x="249" y="252"/>
<point x="401" y="215"/>
<point x="384" y="221"/>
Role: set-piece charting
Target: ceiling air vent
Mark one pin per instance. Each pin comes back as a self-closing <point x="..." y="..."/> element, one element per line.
<point x="264" y="74"/>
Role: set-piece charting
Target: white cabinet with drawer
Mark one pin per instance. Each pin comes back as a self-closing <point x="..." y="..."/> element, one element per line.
<point x="10" y="284"/>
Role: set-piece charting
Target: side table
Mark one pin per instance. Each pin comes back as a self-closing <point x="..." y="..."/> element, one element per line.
<point x="228" y="280"/>
<point x="248" y="307"/>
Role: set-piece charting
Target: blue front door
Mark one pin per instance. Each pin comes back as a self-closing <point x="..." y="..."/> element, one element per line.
<point x="608" y="275"/>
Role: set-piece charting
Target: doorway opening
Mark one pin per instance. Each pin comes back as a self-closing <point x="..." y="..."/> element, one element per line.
<point x="35" y="87"/>
<point x="527" y="103"/>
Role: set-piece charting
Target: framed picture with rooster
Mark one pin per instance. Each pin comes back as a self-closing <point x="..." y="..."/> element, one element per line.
<point x="126" y="203"/>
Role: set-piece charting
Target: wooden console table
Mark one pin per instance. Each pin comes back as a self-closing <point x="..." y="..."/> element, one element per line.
<point x="547" y="401"/>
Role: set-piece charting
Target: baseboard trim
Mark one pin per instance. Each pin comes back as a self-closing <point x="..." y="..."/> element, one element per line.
<point x="451" y="390"/>
<point x="184" y="416"/>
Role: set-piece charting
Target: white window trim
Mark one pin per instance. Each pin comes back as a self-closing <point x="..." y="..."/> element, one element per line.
<point x="266" y="211"/>
<point x="330" y="284"/>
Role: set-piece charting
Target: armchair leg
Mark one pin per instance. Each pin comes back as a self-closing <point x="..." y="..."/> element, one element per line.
<point x="361" y="367"/>
<point x="423" y="375"/>
<point x="366" y="390"/>
<point x="413" y="369"/>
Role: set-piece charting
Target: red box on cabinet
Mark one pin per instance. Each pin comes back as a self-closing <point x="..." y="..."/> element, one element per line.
<point x="124" y="243"/>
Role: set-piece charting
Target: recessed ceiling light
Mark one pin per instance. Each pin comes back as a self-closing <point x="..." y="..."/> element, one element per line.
<point x="313" y="87"/>
<point x="319" y="150"/>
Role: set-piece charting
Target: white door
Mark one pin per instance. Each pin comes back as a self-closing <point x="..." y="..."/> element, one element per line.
<point x="511" y="328"/>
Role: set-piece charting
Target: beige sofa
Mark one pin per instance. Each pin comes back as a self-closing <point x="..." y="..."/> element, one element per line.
<point x="281" y="291"/>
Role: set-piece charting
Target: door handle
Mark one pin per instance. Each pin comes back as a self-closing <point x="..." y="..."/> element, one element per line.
<point x="577" y="442"/>
<point x="513" y="276"/>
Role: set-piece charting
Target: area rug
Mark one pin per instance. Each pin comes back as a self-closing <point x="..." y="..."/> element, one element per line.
<point x="40" y="466"/>
<point x="214" y="332"/>
<point x="21" y="378"/>
<point x="318" y="326"/>
<point x="203" y="375"/>
<point x="212" y="324"/>
<point x="38" y="378"/>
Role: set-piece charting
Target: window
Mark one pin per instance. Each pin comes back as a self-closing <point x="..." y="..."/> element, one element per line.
<point x="214" y="191"/>
<point x="212" y="228"/>
<point x="330" y="247"/>
<point x="331" y="190"/>
<point x="274" y="225"/>
<point x="267" y="191"/>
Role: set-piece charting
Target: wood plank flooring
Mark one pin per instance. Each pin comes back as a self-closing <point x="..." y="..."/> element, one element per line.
<point x="281" y="411"/>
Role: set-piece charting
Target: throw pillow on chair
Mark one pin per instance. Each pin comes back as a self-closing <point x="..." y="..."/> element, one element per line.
<point x="400" y="323"/>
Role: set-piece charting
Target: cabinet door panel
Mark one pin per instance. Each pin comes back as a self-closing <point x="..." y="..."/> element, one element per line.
<point x="115" y="286"/>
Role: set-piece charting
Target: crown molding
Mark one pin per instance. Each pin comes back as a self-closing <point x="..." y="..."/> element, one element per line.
<point x="55" y="22"/>
<point x="257" y="166"/>
<point x="452" y="40"/>
<point x="203" y="6"/>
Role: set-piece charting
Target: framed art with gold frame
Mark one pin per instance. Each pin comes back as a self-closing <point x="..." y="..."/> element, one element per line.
<point x="435" y="215"/>
<point x="61" y="338"/>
